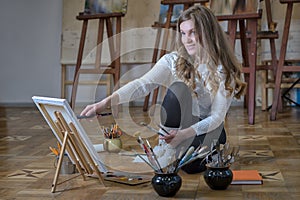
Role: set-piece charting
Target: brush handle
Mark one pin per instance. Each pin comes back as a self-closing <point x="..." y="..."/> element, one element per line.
<point x="187" y="155"/>
<point x="93" y="115"/>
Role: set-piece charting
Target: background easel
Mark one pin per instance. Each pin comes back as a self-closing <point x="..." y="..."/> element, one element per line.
<point x="161" y="42"/>
<point x="114" y="41"/>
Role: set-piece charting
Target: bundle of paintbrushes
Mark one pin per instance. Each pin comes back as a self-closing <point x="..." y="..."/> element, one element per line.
<point x="224" y="156"/>
<point x="183" y="158"/>
<point x="111" y="133"/>
<point x="189" y="156"/>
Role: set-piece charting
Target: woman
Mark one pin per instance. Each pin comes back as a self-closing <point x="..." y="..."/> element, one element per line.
<point x="202" y="78"/>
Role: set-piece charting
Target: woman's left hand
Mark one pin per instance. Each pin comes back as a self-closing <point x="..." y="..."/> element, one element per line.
<point x="168" y="138"/>
<point x="176" y="137"/>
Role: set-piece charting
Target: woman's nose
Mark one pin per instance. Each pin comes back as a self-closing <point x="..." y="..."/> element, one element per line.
<point x="189" y="38"/>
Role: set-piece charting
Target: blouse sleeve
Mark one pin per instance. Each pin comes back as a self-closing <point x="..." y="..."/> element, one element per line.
<point x="160" y="74"/>
<point x="219" y="108"/>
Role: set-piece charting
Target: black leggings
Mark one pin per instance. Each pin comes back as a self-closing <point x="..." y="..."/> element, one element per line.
<point x="176" y="112"/>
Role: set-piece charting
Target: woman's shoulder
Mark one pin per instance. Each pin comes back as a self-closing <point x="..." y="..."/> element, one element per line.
<point x="168" y="59"/>
<point x="171" y="57"/>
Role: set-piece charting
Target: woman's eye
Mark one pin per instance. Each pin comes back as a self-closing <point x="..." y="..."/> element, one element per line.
<point x="182" y="33"/>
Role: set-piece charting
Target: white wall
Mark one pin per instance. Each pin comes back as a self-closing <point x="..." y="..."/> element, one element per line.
<point x="30" y="44"/>
<point x="30" y="32"/>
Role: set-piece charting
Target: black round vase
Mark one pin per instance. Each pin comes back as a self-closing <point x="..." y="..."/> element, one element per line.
<point x="218" y="178"/>
<point x="166" y="185"/>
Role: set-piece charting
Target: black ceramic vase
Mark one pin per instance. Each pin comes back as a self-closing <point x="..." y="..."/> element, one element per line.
<point x="166" y="185"/>
<point x="218" y="178"/>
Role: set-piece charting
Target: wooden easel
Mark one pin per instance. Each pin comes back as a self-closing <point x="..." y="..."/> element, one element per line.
<point x="114" y="41"/>
<point x="249" y="35"/>
<point x="72" y="143"/>
<point x="281" y="68"/>
<point x="162" y="50"/>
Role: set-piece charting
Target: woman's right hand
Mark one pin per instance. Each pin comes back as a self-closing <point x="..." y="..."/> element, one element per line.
<point x="93" y="109"/>
<point x="99" y="107"/>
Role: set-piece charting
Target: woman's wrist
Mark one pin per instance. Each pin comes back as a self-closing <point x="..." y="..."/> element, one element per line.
<point x="189" y="132"/>
<point x="106" y="102"/>
<point x="114" y="99"/>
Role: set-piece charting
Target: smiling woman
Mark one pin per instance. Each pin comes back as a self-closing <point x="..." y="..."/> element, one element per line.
<point x="202" y="78"/>
<point x="188" y="37"/>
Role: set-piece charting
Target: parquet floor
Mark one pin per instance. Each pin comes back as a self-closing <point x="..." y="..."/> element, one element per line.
<point x="27" y="165"/>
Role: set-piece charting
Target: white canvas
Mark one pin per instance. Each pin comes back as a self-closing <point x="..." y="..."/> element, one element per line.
<point x="47" y="106"/>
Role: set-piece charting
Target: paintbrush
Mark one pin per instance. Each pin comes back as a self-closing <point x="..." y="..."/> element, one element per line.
<point x="187" y="155"/>
<point x="141" y="157"/>
<point x="179" y="157"/>
<point x="154" y="156"/>
<point x="148" y="153"/>
<point x="152" y="129"/>
<point x="93" y="115"/>
<point x="162" y="128"/>
<point x="198" y="156"/>
<point x="206" y="157"/>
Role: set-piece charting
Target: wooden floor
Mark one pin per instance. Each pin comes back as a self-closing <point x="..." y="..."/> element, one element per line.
<point x="27" y="166"/>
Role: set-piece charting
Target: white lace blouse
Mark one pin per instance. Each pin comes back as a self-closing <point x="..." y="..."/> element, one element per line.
<point x="211" y="109"/>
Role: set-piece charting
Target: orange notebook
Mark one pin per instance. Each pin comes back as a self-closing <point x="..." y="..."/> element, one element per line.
<point x="246" y="177"/>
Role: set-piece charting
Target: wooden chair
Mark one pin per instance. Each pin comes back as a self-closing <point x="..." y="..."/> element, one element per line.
<point x="114" y="41"/>
<point x="281" y="68"/>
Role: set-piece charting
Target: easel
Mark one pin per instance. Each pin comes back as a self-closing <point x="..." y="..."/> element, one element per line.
<point x="161" y="50"/>
<point x="72" y="143"/>
<point x="281" y="68"/>
<point x="268" y="65"/>
<point x="114" y="41"/>
<point x="249" y="35"/>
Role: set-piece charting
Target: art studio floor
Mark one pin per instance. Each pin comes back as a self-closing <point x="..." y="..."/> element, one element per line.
<point x="27" y="165"/>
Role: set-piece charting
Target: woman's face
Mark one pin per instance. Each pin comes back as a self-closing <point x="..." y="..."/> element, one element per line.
<point x="188" y="37"/>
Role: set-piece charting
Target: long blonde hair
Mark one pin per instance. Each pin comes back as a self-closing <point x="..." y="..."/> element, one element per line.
<point x="214" y="50"/>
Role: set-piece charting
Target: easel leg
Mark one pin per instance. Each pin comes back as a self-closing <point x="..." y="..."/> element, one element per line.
<point x="89" y="158"/>
<point x="63" y="148"/>
<point x="78" y="63"/>
<point x="154" y="59"/>
<point x="64" y="128"/>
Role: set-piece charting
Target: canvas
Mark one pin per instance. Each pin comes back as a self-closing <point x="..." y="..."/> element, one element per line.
<point x="177" y="10"/>
<point x="229" y="7"/>
<point x="49" y="106"/>
<point x="105" y="6"/>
